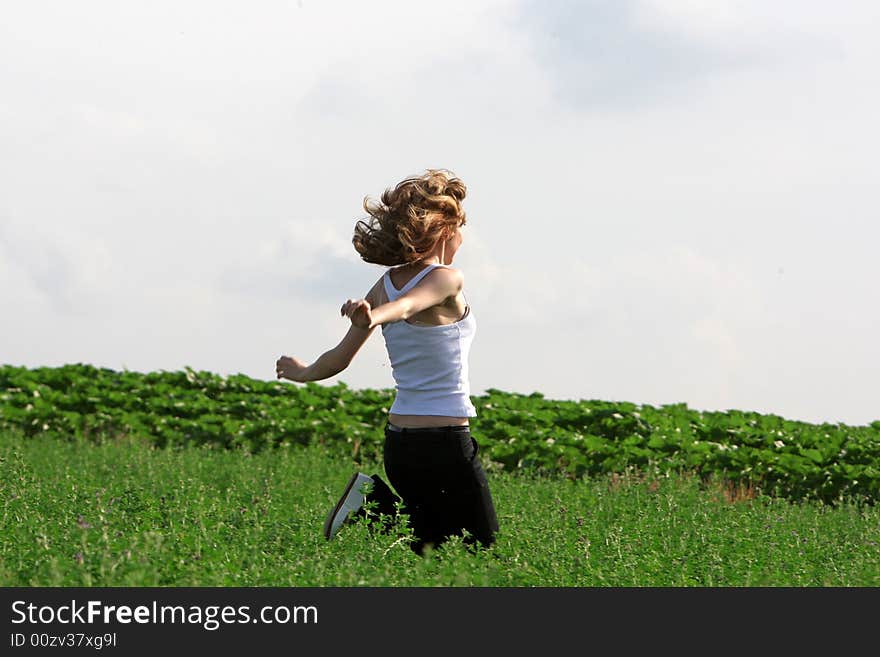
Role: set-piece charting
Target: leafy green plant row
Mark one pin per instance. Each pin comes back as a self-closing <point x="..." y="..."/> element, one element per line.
<point x="576" y="438"/>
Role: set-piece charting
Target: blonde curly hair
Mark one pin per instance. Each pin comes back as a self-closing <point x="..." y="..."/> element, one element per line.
<point x="409" y="220"/>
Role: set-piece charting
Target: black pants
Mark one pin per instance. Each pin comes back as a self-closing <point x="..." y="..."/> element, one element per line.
<point x="441" y="482"/>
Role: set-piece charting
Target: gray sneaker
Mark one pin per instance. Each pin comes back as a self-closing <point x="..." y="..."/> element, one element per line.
<point x="352" y="499"/>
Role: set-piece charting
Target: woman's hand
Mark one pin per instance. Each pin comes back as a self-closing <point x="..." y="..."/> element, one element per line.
<point x="287" y="367"/>
<point x="359" y="312"/>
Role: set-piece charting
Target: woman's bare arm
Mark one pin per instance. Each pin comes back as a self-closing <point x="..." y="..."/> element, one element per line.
<point x="331" y="362"/>
<point x="328" y="364"/>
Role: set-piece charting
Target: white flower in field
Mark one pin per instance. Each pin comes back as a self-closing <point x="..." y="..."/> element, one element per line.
<point x="551" y="441"/>
<point x="778" y="443"/>
<point x="617" y="416"/>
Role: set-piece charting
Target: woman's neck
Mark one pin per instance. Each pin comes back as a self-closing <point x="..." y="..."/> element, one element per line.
<point x="435" y="258"/>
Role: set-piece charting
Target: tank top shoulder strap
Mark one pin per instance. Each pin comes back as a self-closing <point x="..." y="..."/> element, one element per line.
<point x="415" y="279"/>
<point x="390" y="292"/>
<point x="393" y="293"/>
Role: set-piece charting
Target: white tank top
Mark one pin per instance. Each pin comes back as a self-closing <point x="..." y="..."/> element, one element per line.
<point x="429" y="363"/>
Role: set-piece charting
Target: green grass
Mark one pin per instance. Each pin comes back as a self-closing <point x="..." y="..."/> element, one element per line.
<point x="123" y="513"/>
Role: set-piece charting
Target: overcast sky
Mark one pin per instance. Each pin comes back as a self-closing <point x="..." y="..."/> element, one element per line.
<point x="668" y="200"/>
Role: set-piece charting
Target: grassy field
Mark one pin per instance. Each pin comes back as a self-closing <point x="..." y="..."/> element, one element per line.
<point x="124" y="513"/>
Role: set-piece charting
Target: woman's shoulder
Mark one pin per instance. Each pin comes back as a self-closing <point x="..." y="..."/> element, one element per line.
<point x="434" y="271"/>
<point x="450" y="276"/>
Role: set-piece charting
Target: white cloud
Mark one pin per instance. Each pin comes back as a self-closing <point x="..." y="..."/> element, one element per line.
<point x="604" y="55"/>
<point x="70" y="273"/>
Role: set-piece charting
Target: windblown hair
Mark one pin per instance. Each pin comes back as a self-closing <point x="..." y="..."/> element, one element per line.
<point x="409" y="220"/>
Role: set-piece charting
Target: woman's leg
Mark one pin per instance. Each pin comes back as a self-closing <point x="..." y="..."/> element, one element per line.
<point x="443" y="485"/>
<point x="384" y="499"/>
<point x="475" y="500"/>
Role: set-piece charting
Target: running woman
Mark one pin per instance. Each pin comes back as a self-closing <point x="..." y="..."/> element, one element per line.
<point x="429" y="455"/>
